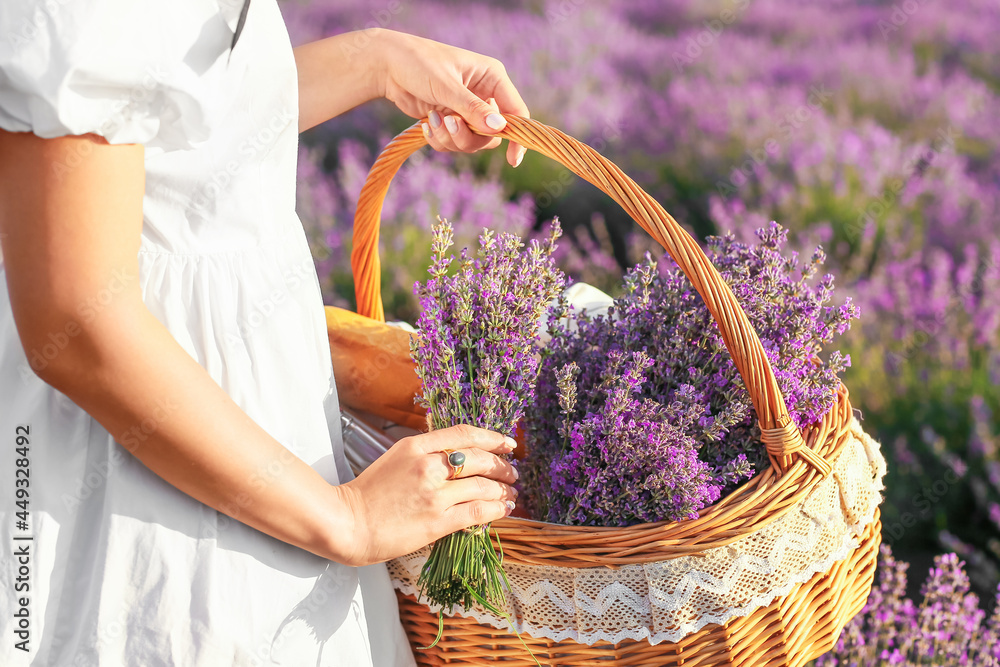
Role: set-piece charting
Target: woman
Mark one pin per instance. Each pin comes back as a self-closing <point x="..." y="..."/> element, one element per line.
<point x="169" y="419"/>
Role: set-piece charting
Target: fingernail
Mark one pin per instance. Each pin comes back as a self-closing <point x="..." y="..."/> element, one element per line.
<point x="510" y="507"/>
<point x="520" y="156"/>
<point x="516" y="494"/>
<point x="427" y="130"/>
<point x="510" y="442"/>
<point x="495" y="121"/>
<point x="435" y="118"/>
<point x="451" y="124"/>
<point x="517" y="474"/>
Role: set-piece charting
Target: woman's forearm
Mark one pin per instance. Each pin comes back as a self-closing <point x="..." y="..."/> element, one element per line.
<point x="337" y="74"/>
<point x="133" y="377"/>
<point x="65" y="234"/>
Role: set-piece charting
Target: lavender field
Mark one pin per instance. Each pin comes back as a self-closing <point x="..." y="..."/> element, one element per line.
<point x="871" y="128"/>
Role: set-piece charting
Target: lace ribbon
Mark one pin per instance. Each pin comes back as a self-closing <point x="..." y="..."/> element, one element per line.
<point x="668" y="600"/>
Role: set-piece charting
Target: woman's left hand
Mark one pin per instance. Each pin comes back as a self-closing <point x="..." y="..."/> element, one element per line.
<point x="453" y="88"/>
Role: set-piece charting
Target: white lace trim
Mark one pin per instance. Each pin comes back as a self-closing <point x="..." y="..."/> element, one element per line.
<point x="668" y="600"/>
<point x="590" y="638"/>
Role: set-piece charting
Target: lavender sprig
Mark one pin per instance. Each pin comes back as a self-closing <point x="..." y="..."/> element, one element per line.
<point x="477" y="355"/>
<point x="624" y="437"/>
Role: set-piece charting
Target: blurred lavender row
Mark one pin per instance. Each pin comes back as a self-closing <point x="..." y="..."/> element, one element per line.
<point x="947" y="627"/>
<point x="870" y="127"/>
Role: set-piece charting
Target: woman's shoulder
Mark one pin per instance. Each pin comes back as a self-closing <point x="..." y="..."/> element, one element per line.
<point x="123" y="69"/>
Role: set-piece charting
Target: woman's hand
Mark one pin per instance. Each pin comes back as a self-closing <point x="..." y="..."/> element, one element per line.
<point x="406" y="500"/>
<point x="452" y="87"/>
<point x="446" y="84"/>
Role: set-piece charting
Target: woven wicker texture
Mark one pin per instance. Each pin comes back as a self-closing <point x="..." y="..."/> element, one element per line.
<point x="668" y="600"/>
<point x="792" y="629"/>
<point x="789" y="632"/>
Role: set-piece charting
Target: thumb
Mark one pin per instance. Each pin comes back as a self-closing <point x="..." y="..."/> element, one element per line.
<point x="479" y="114"/>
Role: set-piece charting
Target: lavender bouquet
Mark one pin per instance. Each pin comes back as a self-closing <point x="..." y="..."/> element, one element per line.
<point x="640" y="414"/>
<point x="477" y="355"/>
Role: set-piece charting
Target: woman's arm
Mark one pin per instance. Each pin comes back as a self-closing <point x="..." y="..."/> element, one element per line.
<point x="67" y="234"/>
<point x="334" y="77"/>
<point x="422" y="77"/>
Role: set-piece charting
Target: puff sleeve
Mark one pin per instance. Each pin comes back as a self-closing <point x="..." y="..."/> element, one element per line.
<point x="132" y="71"/>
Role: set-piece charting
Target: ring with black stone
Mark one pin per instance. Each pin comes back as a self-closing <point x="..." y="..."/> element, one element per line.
<point x="456" y="460"/>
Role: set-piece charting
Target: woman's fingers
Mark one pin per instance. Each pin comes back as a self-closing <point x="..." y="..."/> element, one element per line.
<point x="465" y="140"/>
<point x="468" y="100"/>
<point x="476" y="513"/>
<point x="489" y="93"/>
<point x="480" y="463"/>
<point x="508" y="100"/>
<point x="405" y="499"/>
<point x="464" y="436"/>
<point x="421" y="75"/>
<point x="477" y="488"/>
<point x="448" y="132"/>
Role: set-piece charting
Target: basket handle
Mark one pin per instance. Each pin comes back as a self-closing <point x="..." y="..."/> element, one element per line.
<point x="783" y="440"/>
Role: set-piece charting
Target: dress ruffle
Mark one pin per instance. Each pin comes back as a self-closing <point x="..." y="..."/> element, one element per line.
<point x="130" y="72"/>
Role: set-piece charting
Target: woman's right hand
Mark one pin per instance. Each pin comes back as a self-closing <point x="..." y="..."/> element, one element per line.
<point x="405" y="499"/>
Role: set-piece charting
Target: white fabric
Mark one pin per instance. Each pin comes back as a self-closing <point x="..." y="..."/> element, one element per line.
<point x="125" y="569"/>
<point x="668" y="600"/>
<point x="583" y="298"/>
<point x="587" y="298"/>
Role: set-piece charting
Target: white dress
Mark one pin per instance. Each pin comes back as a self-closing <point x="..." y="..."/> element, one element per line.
<point x="114" y="566"/>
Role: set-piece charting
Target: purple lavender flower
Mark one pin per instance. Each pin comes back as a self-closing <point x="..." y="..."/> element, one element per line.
<point x="604" y="471"/>
<point x="946" y="628"/>
<point x="659" y="417"/>
<point x="477" y="349"/>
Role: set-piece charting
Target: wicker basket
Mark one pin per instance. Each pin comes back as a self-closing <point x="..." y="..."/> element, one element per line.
<point x="796" y="624"/>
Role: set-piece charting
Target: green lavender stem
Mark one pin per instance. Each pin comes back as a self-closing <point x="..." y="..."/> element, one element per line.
<point x="462" y="569"/>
